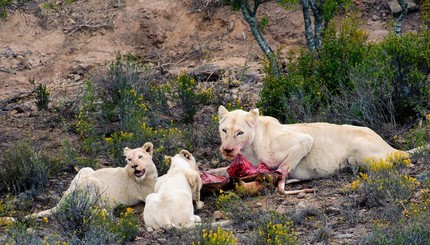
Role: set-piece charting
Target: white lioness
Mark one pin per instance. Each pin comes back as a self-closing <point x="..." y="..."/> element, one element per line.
<point x="126" y="186"/>
<point x="300" y="151"/>
<point x="172" y="203"/>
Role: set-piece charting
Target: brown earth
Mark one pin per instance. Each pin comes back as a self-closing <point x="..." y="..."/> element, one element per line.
<point x="63" y="46"/>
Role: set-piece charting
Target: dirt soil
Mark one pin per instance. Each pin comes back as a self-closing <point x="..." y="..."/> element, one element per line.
<point x="64" y="45"/>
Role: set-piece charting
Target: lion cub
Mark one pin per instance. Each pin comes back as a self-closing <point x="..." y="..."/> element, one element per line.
<point x="172" y="203"/>
<point x="127" y="185"/>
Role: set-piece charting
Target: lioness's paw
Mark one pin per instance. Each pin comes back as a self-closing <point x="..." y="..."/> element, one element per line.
<point x="199" y="204"/>
<point x="149" y="229"/>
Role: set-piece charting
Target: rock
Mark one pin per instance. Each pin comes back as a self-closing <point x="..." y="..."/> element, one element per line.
<point x="396" y="9"/>
<point x="281" y="209"/>
<point x="301" y="195"/>
<point x="218" y="215"/>
<point x="342" y="236"/>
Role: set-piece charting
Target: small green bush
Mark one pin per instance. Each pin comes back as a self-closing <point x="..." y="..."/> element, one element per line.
<point x="189" y="96"/>
<point x="411" y="227"/>
<point x="82" y="217"/>
<point x="7" y="6"/>
<point x="42" y="97"/>
<point x="385" y="186"/>
<point x="270" y="227"/>
<point x="217" y="237"/>
<point x="25" y="169"/>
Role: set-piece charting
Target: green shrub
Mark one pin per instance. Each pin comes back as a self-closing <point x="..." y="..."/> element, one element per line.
<point x="217" y="237"/>
<point x="353" y="81"/>
<point x="42" y="97"/>
<point x="189" y="96"/>
<point x="78" y="210"/>
<point x="313" y="80"/>
<point x="12" y="6"/>
<point x="85" y="126"/>
<point x="125" y="109"/>
<point x="385" y="186"/>
<point x="411" y="227"/>
<point x="25" y="169"/>
<point x="269" y="227"/>
<point x="72" y="159"/>
<point x="82" y="217"/>
<point x="275" y="234"/>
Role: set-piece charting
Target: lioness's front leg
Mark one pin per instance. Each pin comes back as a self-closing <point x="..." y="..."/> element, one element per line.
<point x="196" y="185"/>
<point x="296" y="149"/>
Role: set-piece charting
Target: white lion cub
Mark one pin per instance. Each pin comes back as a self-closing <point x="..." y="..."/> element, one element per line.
<point x="127" y="185"/>
<point x="172" y="203"/>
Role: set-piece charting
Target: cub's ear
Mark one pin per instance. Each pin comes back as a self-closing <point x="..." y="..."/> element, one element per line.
<point x="186" y="154"/>
<point x="252" y="117"/>
<point x="148" y="147"/>
<point x="126" y="149"/>
<point x="168" y="160"/>
<point x="222" y="112"/>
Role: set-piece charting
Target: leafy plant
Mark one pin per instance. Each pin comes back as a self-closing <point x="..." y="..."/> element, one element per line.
<point x="42" y="97"/>
<point x="25" y="169"/>
<point x="217" y="237"/>
<point x="189" y="96"/>
<point x="385" y="186"/>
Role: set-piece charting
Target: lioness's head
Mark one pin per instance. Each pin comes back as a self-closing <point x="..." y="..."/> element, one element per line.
<point x="139" y="161"/>
<point x="184" y="159"/>
<point x="236" y="129"/>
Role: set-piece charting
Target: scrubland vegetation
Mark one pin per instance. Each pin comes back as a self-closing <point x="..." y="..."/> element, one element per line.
<point x="383" y="85"/>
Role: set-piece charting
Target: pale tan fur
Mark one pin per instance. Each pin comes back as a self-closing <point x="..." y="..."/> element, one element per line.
<point x="172" y="203"/>
<point x="299" y="151"/>
<point x="126" y="186"/>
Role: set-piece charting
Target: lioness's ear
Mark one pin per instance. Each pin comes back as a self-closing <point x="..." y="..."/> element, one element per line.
<point x="124" y="152"/>
<point x="186" y="154"/>
<point x="167" y="160"/>
<point x="148" y="147"/>
<point x="252" y="116"/>
<point x="222" y="112"/>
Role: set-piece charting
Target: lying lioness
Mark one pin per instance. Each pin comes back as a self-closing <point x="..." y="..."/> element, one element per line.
<point x="299" y="151"/>
<point x="172" y="203"/>
<point x="126" y="186"/>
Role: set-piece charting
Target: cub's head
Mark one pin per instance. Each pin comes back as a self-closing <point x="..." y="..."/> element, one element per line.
<point x="236" y="129"/>
<point x="139" y="161"/>
<point x="184" y="159"/>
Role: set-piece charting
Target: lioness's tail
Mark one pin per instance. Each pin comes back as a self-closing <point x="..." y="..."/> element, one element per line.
<point x="419" y="149"/>
<point x="42" y="214"/>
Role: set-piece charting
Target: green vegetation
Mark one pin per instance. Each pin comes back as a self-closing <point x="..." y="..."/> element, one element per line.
<point x="23" y="169"/>
<point x="7" y="6"/>
<point x="347" y="79"/>
<point x="269" y="227"/>
<point x="42" y="97"/>
<point x="353" y="81"/>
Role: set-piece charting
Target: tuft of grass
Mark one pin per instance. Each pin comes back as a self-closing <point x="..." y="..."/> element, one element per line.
<point x="25" y="169"/>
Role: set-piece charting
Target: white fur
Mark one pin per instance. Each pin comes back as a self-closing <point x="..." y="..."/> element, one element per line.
<point x="301" y="151"/>
<point x="117" y="186"/>
<point x="172" y="203"/>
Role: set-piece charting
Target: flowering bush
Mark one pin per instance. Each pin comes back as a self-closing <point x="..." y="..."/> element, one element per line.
<point x="219" y="237"/>
<point x="384" y="184"/>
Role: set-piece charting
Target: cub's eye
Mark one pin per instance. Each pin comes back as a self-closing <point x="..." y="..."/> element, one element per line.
<point x="129" y="159"/>
<point x="140" y="157"/>
<point x="239" y="133"/>
<point x="224" y="130"/>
